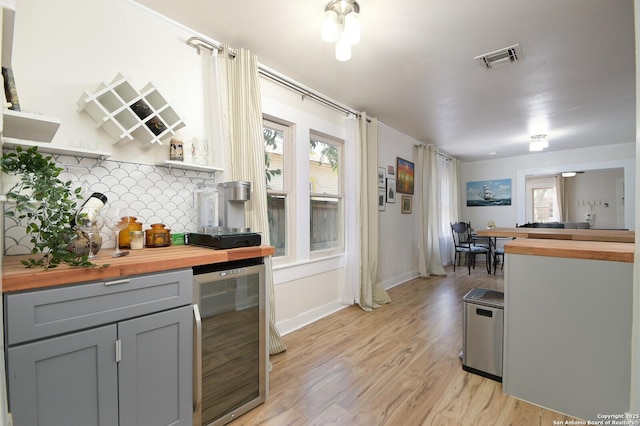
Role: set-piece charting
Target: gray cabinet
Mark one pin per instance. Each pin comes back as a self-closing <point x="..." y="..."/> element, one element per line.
<point x="66" y="380"/>
<point x="155" y="373"/>
<point x="103" y="353"/>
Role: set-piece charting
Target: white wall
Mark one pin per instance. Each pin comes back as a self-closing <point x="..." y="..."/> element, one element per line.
<point x="593" y="193"/>
<point x="398" y="236"/>
<point x="516" y="168"/>
<point x="62" y="48"/>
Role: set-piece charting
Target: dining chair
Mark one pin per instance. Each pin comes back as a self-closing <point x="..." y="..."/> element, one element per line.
<point x="498" y="257"/>
<point x="464" y="244"/>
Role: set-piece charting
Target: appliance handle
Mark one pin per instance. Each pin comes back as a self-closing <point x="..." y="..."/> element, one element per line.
<point x="197" y="360"/>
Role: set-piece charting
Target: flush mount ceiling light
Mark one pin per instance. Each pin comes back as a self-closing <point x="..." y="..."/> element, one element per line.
<point x="568" y="174"/>
<point x="342" y="26"/>
<point x="538" y="143"/>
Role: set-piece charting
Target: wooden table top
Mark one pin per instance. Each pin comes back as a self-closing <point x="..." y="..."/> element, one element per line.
<point x="16" y="277"/>
<point x="590" y="250"/>
<point x="614" y="235"/>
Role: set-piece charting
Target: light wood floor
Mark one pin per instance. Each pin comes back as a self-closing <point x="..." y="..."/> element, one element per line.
<point x="397" y="365"/>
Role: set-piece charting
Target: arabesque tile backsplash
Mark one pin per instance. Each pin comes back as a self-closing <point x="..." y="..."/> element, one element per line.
<point x="156" y="194"/>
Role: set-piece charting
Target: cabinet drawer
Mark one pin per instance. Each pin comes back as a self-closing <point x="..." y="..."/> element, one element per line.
<point x="43" y="313"/>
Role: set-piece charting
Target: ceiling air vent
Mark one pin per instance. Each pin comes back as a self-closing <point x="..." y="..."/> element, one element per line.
<point x="500" y="57"/>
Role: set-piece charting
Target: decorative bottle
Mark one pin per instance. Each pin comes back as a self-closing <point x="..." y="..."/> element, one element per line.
<point x="125" y="234"/>
<point x="92" y="204"/>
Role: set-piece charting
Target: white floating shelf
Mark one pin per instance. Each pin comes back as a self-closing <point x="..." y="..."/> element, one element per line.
<point x="187" y="166"/>
<point x="29" y="126"/>
<point x="48" y="149"/>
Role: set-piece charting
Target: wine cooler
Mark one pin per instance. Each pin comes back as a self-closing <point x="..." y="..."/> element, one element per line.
<point x="230" y="340"/>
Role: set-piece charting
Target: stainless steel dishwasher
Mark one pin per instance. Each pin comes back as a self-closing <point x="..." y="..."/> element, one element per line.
<point x="230" y="340"/>
<point x="483" y="317"/>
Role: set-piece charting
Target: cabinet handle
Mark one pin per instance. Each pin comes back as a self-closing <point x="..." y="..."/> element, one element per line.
<point x="118" y="350"/>
<point x="197" y="360"/>
<point x="125" y="281"/>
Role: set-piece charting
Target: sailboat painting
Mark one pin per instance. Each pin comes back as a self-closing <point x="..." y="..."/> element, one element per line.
<point x="489" y="193"/>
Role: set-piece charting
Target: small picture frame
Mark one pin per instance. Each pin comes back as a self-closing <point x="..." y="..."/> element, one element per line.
<point x="391" y="171"/>
<point x="381" y="196"/>
<point x="391" y="190"/>
<point x="406" y="204"/>
<point x="381" y="178"/>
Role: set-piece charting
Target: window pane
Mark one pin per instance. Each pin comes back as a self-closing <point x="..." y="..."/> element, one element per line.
<point x="324" y="166"/>
<point x="326" y="223"/>
<point x="274" y="157"/>
<point x="277" y="213"/>
<point x="543" y="204"/>
<point x="277" y="138"/>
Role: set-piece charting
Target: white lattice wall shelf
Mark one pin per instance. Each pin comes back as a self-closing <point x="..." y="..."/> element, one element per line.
<point x="126" y="114"/>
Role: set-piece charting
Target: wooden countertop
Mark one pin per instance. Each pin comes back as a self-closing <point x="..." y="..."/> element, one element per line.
<point x="16" y="277"/>
<point x="591" y="250"/>
<point x="613" y="235"/>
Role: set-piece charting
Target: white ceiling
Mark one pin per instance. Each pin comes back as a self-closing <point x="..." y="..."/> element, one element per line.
<point x="414" y="68"/>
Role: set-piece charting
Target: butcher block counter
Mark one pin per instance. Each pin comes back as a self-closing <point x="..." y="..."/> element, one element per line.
<point x="16" y="277"/>
<point x="591" y="250"/>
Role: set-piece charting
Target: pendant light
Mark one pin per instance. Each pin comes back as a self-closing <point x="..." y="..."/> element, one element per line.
<point x="342" y="26"/>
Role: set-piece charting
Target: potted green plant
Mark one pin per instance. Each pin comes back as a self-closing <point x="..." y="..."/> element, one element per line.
<point x="47" y="204"/>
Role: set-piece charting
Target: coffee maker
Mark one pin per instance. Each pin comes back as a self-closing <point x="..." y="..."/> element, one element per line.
<point x="221" y="216"/>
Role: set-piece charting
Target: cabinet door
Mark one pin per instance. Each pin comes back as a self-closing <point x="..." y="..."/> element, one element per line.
<point x="67" y="380"/>
<point x="155" y="372"/>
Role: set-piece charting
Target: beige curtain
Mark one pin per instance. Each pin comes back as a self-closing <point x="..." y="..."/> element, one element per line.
<point x="429" y="259"/>
<point x="243" y="146"/>
<point x="372" y="294"/>
<point x="563" y="208"/>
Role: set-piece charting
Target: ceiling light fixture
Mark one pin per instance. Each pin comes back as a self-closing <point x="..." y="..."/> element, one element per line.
<point x="568" y="174"/>
<point x="538" y="143"/>
<point x="342" y="26"/>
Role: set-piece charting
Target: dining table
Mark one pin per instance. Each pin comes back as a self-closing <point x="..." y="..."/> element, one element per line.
<point x="610" y="235"/>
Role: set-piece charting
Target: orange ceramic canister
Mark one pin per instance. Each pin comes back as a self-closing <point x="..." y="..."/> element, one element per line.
<point x="125" y="238"/>
<point x="157" y="236"/>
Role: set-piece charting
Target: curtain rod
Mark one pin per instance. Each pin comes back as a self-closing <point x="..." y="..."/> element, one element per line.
<point x="438" y="152"/>
<point x="447" y="157"/>
<point x="200" y="43"/>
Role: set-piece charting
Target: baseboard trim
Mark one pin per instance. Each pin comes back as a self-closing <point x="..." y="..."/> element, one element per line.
<point x="287" y="326"/>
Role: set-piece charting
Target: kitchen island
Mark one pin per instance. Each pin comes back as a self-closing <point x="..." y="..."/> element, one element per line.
<point x="567" y="325"/>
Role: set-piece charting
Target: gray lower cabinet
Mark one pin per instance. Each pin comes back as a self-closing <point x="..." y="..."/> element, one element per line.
<point x="67" y="380"/>
<point x="134" y="370"/>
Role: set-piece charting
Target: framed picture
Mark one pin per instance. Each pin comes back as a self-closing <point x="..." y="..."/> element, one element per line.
<point x="381" y="177"/>
<point x="391" y="190"/>
<point x="405" y="176"/>
<point x="406" y="203"/>
<point x="390" y="171"/>
<point x="381" y="199"/>
<point x="489" y="193"/>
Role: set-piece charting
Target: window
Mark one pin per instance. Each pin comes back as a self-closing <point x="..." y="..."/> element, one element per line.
<point x="543" y="199"/>
<point x="326" y="194"/>
<point x="544" y="205"/>
<point x="277" y="144"/>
